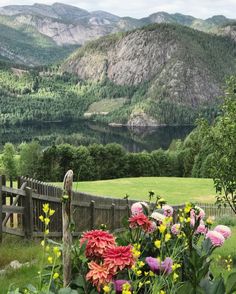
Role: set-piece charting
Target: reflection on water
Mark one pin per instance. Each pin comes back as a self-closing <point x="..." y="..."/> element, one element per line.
<point x="82" y="132"/>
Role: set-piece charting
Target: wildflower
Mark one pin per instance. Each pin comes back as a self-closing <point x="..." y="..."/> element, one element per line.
<point x="175" y="266"/>
<point x="42" y="243"/>
<point x="45" y="208"/>
<point x="137" y="207"/>
<point x="98" y="275"/>
<point x="175" y="229"/>
<point x="126" y="288"/>
<point x="175" y="277"/>
<point x="46" y="221"/>
<point x="140" y="220"/>
<point x="187" y="208"/>
<point x="106" y="289"/>
<point x="162" y="228"/>
<point x="55" y="276"/>
<point x="98" y="242"/>
<point x="217" y="239"/>
<point x="50" y="259"/>
<point x="157" y="243"/>
<point x="41" y="218"/>
<point x="224" y="230"/>
<point x="136" y="253"/>
<point x="168" y="210"/>
<point x="51" y="212"/>
<point x="46" y="232"/>
<point x="118" y="258"/>
<point x="56" y="251"/>
<point x="167" y="237"/>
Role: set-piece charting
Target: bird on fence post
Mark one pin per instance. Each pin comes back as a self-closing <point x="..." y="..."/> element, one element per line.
<point x="66" y="221"/>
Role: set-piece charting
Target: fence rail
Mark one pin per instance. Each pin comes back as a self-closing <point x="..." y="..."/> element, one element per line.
<point x="21" y="207"/>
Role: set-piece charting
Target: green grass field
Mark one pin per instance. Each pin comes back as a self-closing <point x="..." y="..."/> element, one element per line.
<point x="174" y="190"/>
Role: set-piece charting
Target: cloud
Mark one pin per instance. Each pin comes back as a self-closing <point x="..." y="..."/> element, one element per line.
<point x="142" y="8"/>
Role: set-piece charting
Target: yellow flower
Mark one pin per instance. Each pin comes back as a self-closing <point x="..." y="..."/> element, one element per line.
<point x="162" y="292"/>
<point x="162" y="228"/>
<point x="151" y="274"/>
<point x="175" y="266"/>
<point x="46" y="221"/>
<point x="167" y="237"/>
<point x="175" y="276"/>
<point x="55" y="276"/>
<point x="157" y="243"/>
<point x="51" y="212"/>
<point x="138" y="273"/>
<point x="47" y="232"/>
<point x="148" y="282"/>
<point x="209" y="220"/>
<point x="47" y="248"/>
<point x="50" y="259"/>
<point x="45" y="208"/>
<point x="43" y="243"/>
<point x="106" y="289"/>
<point x="141" y="264"/>
<point x="57" y="251"/>
<point x="187" y="220"/>
<point x="181" y="219"/>
<point x="136" y="253"/>
<point x="41" y="218"/>
<point x="140" y="284"/>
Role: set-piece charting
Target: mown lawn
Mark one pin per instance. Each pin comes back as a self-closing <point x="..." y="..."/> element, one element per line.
<point x="174" y="190"/>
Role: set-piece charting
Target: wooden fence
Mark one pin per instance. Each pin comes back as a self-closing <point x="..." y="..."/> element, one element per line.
<point x="21" y="207"/>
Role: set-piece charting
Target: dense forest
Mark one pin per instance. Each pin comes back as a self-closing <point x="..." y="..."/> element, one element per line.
<point x="204" y="152"/>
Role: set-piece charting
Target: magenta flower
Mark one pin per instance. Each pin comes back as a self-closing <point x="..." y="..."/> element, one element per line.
<point x="224" y="230"/>
<point x="217" y="239"/>
<point x="197" y="212"/>
<point x="168" y="210"/>
<point x="160" y="267"/>
<point x="154" y="264"/>
<point x="152" y="228"/>
<point x="166" y="266"/>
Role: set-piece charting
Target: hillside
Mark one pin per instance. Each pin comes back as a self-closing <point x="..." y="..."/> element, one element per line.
<point x="41" y="32"/>
<point x="178" y="71"/>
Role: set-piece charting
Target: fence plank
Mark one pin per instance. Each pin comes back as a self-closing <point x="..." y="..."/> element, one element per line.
<point x="28" y="214"/>
<point x="92" y="214"/>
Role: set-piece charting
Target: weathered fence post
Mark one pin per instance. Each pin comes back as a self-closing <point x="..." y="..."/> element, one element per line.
<point x="113" y="217"/>
<point x="0" y="209"/>
<point x="66" y="222"/>
<point x="92" y="214"/>
<point x="28" y="220"/>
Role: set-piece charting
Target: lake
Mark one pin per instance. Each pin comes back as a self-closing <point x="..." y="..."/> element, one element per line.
<point x="84" y="132"/>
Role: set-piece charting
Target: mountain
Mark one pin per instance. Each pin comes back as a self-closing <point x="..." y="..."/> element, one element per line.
<point x="176" y="67"/>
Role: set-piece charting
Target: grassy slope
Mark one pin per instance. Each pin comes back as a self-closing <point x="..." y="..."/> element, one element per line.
<point x="174" y="190"/>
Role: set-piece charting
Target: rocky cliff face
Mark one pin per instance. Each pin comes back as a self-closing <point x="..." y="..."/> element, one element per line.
<point x="181" y="68"/>
<point x="67" y="25"/>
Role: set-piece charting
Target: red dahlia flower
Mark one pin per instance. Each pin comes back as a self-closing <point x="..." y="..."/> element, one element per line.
<point x="97" y="243"/>
<point x="98" y="275"/>
<point x="118" y="258"/>
<point x="140" y="220"/>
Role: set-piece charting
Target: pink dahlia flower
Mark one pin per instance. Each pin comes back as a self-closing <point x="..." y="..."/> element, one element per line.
<point x="140" y="220"/>
<point x="217" y="239"/>
<point x="157" y="216"/>
<point x="201" y="229"/>
<point x="224" y="230"/>
<point x="168" y="210"/>
<point x="137" y="207"/>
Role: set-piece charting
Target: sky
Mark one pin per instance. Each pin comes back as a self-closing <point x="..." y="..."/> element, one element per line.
<point x="141" y="8"/>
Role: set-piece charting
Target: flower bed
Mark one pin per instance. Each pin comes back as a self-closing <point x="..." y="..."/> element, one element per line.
<point x="157" y="254"/>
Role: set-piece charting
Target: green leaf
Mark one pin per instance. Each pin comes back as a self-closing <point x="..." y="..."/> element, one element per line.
<point x="231" y="283"/>
<point x="186" y="288"/>
<point x="218" y="286"/>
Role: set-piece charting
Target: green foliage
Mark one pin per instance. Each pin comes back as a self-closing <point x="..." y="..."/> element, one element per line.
<point x="8" y="160"/>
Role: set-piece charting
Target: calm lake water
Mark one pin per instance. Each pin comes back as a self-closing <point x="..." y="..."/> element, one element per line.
<point x="134" y="140"/>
